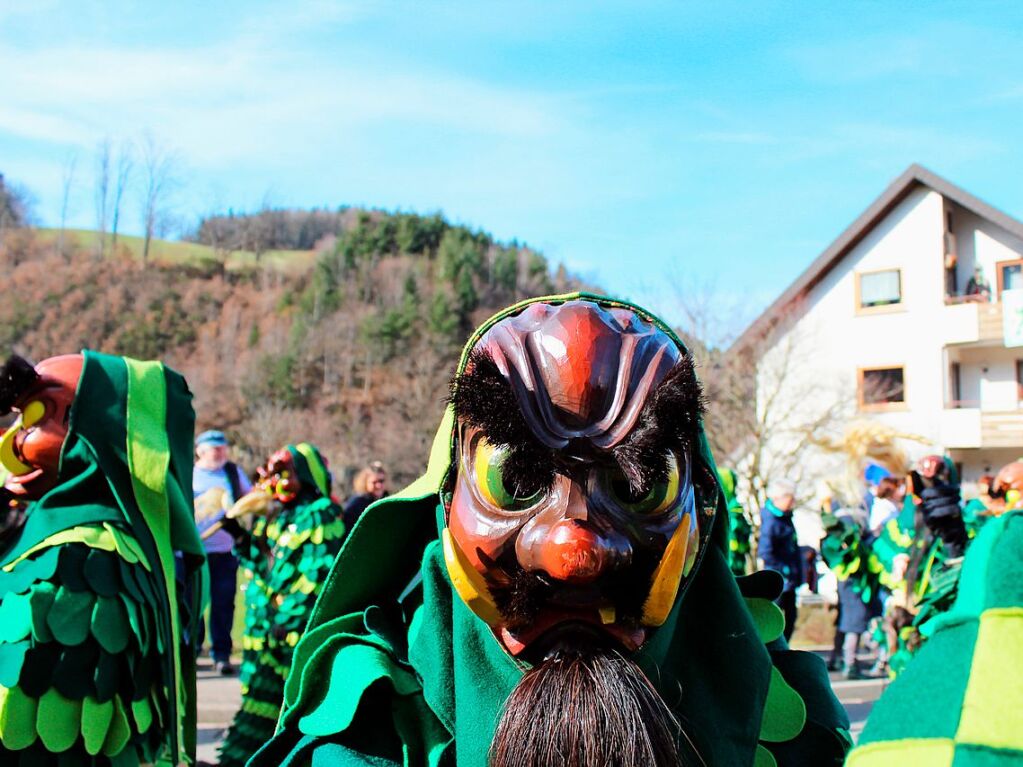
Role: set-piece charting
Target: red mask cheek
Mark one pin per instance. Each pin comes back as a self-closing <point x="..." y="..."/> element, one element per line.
<point x="476" y="528"/>
<point x="40" y="446"/>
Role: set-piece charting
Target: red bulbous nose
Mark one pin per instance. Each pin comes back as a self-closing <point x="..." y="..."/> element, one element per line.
<point x="573" y="552"/>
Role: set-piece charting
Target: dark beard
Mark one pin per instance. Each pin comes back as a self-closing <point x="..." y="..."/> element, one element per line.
<point x="585" y="708"/>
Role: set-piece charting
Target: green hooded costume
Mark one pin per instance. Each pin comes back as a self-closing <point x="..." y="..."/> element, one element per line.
<point x="288" y="559"/>
<point x="96" y="665"/>
<point x="959" y="701"/>
<point x="740" y="531"/>
<point x="395" y="669"/>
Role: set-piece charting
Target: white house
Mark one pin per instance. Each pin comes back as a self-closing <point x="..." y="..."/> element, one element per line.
<point x="881" y="326"/>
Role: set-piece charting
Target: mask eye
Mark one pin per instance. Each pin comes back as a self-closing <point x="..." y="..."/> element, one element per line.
<point x="658" y="498"/>
<point x="488" y="465"/>
<point x="32" y="413"/>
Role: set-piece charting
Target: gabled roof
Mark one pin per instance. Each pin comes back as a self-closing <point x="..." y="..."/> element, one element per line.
<point x="913" y="176"/>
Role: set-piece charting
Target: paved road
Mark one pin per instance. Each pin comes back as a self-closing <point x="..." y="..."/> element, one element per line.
<point x="219" y="698"/>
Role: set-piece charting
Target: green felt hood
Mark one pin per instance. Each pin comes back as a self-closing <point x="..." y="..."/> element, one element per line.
<point x="127" y="461"/>
<point x="388" y="619"/>
<point x="311" y="468"/>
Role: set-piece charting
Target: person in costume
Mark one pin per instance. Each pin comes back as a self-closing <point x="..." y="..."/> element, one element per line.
<point x="97" y="662"/>
<point x="977" y="511"/>
<point x="921" y="552"/>
<point x="740" y="529"/>
<point x="296" y="534"/>
<point x="555" y="590"/>
<point x="858" y="573"/>
<point x="959" y="701"/>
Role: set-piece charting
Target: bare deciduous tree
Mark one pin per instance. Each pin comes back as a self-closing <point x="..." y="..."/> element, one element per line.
<point x="102" y="195"/>
<point x="125" y="163"/>
<point x="159" y="166"/>
<point x="67" y="185"/>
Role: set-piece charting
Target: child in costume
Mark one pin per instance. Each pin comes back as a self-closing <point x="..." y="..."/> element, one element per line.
<point x="96" y="645"/>
<point x="295" y="536"/>
<point x="959" y="701"/>
<point x="556" y="589"/>
<point x="740" y="531"/>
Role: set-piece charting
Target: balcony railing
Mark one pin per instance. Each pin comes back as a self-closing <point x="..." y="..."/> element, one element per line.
<point x="972" y="322"/>
<point x="970" y="427"/>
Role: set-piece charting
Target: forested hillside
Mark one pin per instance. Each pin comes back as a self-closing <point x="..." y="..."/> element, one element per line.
<point x="350" y="346"/>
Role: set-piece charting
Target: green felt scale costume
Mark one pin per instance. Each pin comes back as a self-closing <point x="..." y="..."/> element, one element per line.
<point x="850" y="559"/>
<point x="95" y="667"/>
<point x="740" y="531"/>
<point x="959" y="702"/>
<point x="288" y="558"/>
<point x="396" y="670"/>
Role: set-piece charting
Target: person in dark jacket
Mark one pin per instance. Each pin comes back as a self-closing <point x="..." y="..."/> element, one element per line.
<point x="370" y="485"/>
<point x="778" y="548"/>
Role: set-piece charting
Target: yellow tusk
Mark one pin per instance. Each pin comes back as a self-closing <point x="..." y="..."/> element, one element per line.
<point x="668" y="575"/>
<point x="607" y="614"/>
<point x="7" y="456"/>
<point x="468" y="582"/>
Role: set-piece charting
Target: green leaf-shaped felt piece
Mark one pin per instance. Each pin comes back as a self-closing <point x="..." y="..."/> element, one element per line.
<point x="75" y="669"/>
<point x="15" y="617"/>
<point x="764" y="758"/>
<point x="102" y="573"/>
<point x="110" y="624"/>
<point x="106" y="677"/>
<point x="37" y="669"/>
<point x="29" y="571"/>
<point x="131" y="586"/>
<point x="117" y="735"/>
<point x="11" y="658"/>
<point x="70" y="615"/>
<point x="71" y="569"/>
<point x="96" y="718"/>
<point x="17" y="719"/>
<point x="58" y="721"/>
<point x="768" y="617"/>
<point x="143" y="714"/>
<point x="42" y="596"/>
<point x="784" y="711"/>
<point x="138" y="623"/>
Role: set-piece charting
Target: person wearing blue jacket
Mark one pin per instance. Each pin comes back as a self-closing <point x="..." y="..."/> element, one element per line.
<point x="778" y="548"/>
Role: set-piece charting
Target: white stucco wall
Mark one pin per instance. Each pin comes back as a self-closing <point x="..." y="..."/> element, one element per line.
<point x="840" y="340"/>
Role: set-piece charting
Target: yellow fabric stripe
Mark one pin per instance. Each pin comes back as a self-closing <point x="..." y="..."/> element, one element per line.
<point x="148" y="461"/>
<point x="933" y="752"/>
<point x="94" y="536"/>
<point x="993" y="705"/>
<point x="315" y="467"/>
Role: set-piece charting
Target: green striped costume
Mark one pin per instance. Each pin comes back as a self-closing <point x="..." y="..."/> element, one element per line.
<point x="740" y="531"/>
<point x="288" y="557"/>
<point x="94" y="663"/>
<point x="959" y="702"/>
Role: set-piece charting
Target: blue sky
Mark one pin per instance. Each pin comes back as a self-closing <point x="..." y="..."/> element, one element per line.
<point x="645" y="144"/>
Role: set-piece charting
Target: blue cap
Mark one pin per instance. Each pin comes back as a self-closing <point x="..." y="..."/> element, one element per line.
<point x="211" y="437"/>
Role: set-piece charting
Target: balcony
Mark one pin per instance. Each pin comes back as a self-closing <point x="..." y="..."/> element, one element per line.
<point x="963" y="428"/>
<point x="968" y="322"/>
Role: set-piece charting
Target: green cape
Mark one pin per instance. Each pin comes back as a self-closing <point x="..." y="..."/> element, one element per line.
<point x="124" y="486"/>
<point x="395" y="669"/>
<point x="960" y="699"/>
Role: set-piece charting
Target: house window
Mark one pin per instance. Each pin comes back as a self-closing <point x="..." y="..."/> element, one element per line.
<point x="955" y="374"/>
<point x="877" y="289"/>
<point x="882" y="388"/>
<point x="1019" y="380"/>
<point x="1010" y="275"/>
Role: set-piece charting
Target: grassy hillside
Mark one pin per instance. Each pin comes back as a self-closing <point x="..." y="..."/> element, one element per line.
<point x="350" y="348"/>
<point x="171" y="252"/>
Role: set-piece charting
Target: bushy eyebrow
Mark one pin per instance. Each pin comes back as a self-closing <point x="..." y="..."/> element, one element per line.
<point x="16" y="377"/>
<point x="669" y="422"/>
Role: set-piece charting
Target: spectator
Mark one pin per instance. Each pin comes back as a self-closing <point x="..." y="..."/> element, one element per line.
<point x="778" y="548"/>
<point x="977" y="287"/>
<point x="887" y="500"/>
<point x="214" y="474"/>
<point x="370" y="485"/>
